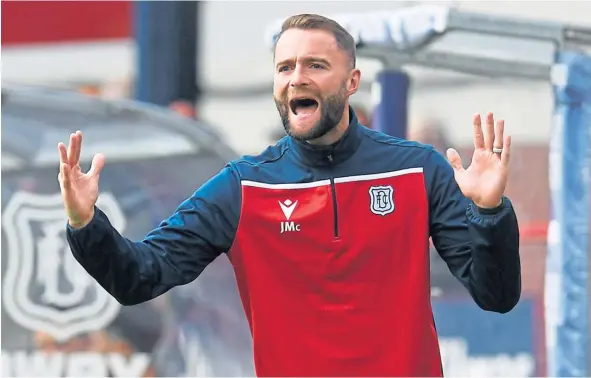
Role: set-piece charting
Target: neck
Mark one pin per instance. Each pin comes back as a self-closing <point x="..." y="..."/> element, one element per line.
<point x="335" y="134"/>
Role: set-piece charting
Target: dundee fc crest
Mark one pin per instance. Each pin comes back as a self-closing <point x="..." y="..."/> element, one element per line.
<point x="44" y="288"/>
<point x="381" y="200"/>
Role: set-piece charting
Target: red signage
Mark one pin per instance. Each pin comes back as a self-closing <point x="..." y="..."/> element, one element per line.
<point x="43" y="22"/>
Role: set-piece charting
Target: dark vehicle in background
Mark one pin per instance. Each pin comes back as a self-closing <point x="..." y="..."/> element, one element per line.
<point x="56" y="320"/>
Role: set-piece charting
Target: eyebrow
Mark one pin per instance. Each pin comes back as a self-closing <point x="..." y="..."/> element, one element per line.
<point x="311" y="59"/>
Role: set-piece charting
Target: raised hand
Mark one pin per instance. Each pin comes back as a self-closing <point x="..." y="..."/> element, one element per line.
<point x="79" y="190"/>
<point x="485" y="180"/>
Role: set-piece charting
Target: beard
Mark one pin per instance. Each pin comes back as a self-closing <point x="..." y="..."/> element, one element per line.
<point x="331" y="108"/>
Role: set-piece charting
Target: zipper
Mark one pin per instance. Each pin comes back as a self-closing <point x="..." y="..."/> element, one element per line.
<point x="335" y="211"/>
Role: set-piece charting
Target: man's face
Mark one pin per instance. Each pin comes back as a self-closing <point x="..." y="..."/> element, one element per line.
<point x="312" y="83"/>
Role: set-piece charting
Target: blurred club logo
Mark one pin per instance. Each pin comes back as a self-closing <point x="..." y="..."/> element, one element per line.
<point x="44" y="288"/>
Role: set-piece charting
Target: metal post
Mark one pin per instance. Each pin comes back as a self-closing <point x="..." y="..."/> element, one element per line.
<point x="567" y="263"/>
<point x="391" y="116"/>
<point x="166" y="35"/>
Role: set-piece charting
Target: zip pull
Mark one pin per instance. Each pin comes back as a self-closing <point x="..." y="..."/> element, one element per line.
<point x="330" y="158"/>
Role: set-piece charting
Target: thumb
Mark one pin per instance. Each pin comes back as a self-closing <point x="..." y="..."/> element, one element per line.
<point x="455" y="160"/>
<point x="98" y="162"/>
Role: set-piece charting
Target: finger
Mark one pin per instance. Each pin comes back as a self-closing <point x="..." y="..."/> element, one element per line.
<point x="506" y="154"/>
<point x="499" y="132"/>
<point x="63" y="153"/>
<point x="455" y="160"/>
<point x="478" y="137"/>
<point x="71" y="149"/>
<point x="64" y="176"/>
<point x="78" y="146"/>
<point x="98" y="162"/>
<point x="489" y="133"/>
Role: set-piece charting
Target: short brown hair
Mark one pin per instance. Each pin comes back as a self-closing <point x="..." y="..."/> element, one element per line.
<point x="314" y="21"/>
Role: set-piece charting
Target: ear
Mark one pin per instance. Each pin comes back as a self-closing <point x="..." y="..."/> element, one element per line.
<point x="353" y="82"/>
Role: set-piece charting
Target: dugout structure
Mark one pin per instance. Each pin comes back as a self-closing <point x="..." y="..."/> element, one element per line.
<point x="402" y="38"/>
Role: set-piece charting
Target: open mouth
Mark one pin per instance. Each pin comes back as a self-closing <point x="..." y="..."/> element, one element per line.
<point x="303" y="106"/>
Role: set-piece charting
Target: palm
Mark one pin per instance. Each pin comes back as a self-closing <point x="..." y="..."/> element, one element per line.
<point x="485" y="180"/>
<point x="83" y="192"/>
<point x="79" y="190"/>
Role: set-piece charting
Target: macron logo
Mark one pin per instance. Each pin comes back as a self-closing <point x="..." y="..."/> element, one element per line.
<point x="288" y="207"/>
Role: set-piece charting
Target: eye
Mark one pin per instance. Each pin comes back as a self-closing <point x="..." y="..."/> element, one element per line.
<point x="316" y="66"/>
<point x="283" y="68"/>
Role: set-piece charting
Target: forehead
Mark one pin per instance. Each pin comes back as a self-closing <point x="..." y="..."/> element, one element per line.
<point x="296" y="43"/>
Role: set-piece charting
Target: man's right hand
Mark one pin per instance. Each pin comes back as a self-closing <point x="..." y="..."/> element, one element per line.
<point x="79" y="190"/>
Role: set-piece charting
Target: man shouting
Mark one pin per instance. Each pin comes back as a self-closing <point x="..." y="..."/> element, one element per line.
<point x="328" y="230"/>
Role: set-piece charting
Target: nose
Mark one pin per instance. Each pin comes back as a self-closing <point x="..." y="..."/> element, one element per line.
<point x="298" y="78"/>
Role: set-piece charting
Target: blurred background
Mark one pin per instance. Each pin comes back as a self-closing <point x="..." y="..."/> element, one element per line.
<point x="168" y="88"/>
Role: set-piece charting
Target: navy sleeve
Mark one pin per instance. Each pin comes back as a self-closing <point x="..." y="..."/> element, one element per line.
<point x="175" y="253"/>
<point x="480" y="246"/>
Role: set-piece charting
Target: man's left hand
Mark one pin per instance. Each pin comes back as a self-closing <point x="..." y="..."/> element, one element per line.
<point x="484" y="181"/>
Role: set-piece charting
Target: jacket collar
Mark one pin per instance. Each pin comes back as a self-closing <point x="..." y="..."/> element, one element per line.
<point x="334" y="154"/>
